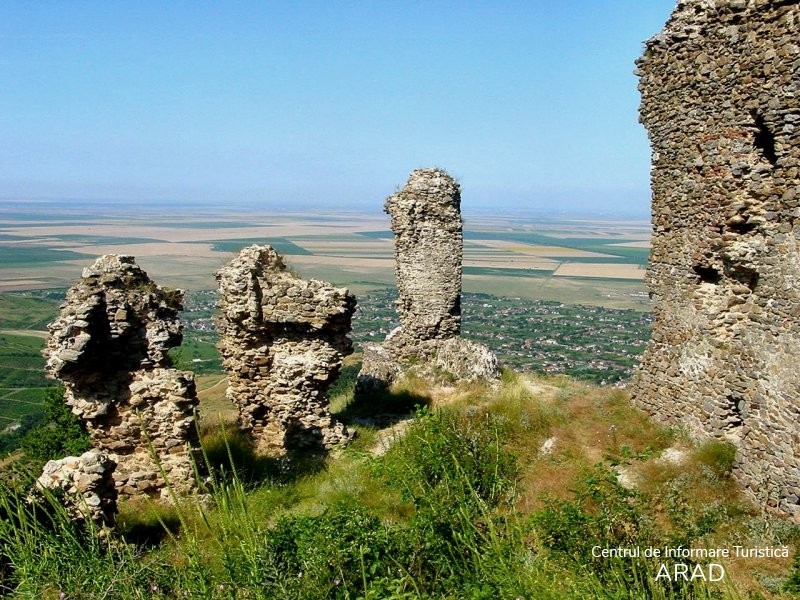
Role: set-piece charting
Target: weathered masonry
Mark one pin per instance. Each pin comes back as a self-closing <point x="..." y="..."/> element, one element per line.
<point x="720" y="92"/>
<point x="427" y="227"/>
<point x="85" y="486"/>
<point x="428" y="242"/>
<point x="109" y="348"/>
<point x="282" y="341"/>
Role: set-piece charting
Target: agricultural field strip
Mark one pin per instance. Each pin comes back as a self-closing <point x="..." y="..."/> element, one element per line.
<point x="600" y="270"/>
<point x="360" y="245"/>
<point x="187" y="234"/>
<point x="25" y="332"/>
<point x="348" y="245"/>
<point x="17" y="282"/>
<point x="312" y="260"/>
<point x="639" y="244"/>
<point x="544" y="251"/>
<point x="128" y="234"/>
<point x="22" y="374"/>
<point x="59" y="274"/>
<point x="8" y="397"/>
<point x="150" y="249"/>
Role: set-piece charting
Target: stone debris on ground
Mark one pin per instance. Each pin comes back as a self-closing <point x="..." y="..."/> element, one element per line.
<point x="84" y="485"/>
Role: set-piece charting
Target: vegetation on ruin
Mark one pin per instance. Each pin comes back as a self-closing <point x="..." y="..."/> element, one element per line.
<point x="476" y="493"/>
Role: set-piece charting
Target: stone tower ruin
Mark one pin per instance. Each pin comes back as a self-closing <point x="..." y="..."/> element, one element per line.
<point x="721" y="104"/>
<point x="427" y="227"/>
<point x="109" y="348"/>
<point x="282" y="341"/>
<point x="428" y="242"/>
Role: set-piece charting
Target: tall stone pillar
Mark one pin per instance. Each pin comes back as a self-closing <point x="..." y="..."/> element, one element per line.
<point x="427" y="227"/>
<point x="428" y="242"/>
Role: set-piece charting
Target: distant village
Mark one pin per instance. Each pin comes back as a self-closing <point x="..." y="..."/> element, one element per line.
<point x="593" y="343"/>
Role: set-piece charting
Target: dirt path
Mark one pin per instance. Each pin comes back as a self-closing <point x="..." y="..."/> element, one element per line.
<point x="223" y="381"/>
<point x="15" y="456"/>
<point x="26" y="333"/>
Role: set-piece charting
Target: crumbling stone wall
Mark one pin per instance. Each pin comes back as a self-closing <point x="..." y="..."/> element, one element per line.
<point x="282" y="340"/>
<point x="85" y="486"/>
<point x="721" y="104"/>
<point x="109" y="348"/>
<point x="427" y="227"/>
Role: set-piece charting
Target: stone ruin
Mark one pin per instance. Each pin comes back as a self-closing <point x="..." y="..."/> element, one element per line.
<point x="85" y="486"/>
<point x="282" y="340"/>
<point x="427" y="227"/>
<point x="720" y="92"/>
<point x="109" y="349"/>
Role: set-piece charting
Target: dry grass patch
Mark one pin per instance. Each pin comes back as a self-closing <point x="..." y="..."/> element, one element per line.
<point x="601" y="270"/>
<point x="214" y="405"/>
<point x="582" y="425"/>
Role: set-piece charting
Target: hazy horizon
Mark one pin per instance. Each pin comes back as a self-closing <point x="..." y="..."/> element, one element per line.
<point x="367" y="208"/>
<point x="326" y="104"/>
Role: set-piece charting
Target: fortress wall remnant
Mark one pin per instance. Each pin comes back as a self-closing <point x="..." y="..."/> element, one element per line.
<point x="721" y="104"/>
<point x="86" y="486"/>
<point x="109" y="348"/>
<point x="427" y="227"/>
<point x="282" y="340"/>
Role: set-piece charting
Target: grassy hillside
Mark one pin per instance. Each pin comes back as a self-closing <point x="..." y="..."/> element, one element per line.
<point x="506" y="492"/>
<point x="23" y="385"/>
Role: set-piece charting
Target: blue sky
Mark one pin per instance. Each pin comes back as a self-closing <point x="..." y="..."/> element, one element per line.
<point x="531" y="105"/>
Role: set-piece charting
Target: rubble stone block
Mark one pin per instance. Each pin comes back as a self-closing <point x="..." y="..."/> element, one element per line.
<point x="85" y="485"/>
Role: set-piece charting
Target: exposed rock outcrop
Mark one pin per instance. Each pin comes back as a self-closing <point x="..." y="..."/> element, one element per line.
<point x="109" y="348"/>
<point x="721" y="104"/>
<point x="85" y="486"/>
<point x="426" y="222"/>
<point x="282" y="340"/>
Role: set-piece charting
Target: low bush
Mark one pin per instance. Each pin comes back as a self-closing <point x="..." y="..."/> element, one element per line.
<point x="59" y="434"/>
<point x="718" y="456"/>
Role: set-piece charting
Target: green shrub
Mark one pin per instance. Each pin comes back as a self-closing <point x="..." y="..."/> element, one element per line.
<point x="59" y="434"/>
<point x="445" y="459"/>
<point x="456" y="473"/>
<point x="603" y="513"/>
<point x="43" y="553"/>
<point x="690" y="518"/>
<point x="337" y="554"/>
<point x="793" y="582"/>
<point x="718" y="456"/>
